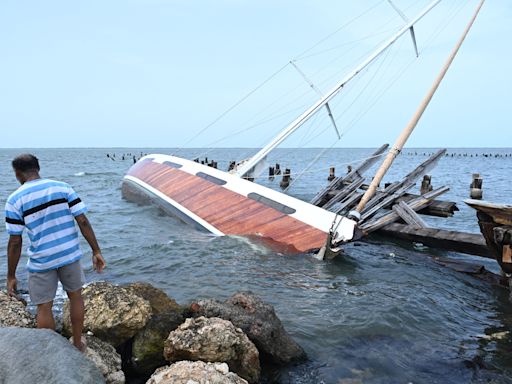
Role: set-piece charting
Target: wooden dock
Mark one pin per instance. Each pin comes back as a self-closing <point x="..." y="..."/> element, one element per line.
<point x="396" y="212"/>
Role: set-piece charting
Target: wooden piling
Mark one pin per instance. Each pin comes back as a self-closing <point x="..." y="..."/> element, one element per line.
<point x="426" y="184"/>
<point x="475" y="189"/>
<point x="285" y="182"/>
<point x="332" y="175"/>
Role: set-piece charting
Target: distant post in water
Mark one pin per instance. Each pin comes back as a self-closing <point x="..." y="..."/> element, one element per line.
<point x="271" y="173"/>
<point x="332" y="175"/>
<point x="426" y="184"/>
<point x="475" y="189"/>
<point x="277" y="170"/>
<point x="285" y="182"/>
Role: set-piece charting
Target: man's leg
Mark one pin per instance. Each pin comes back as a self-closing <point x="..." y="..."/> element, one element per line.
<point x="72" y="279"/>
<point x="45" y="316"/>
<point x="76" y="308"/>
<point x="42" y="287"/>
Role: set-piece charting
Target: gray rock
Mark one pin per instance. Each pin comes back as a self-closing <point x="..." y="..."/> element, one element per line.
<point x="158" y="299"/>
<point x="259" y="322"/>
<point x="198" y="372"/>
<point x="43" y="356"/>
<point x="113" y="314"/>
<point x="148" y="344"/>
<point x="106" y="358"/>
<point x="13" y="313"/>
<point x="214" y="340"/>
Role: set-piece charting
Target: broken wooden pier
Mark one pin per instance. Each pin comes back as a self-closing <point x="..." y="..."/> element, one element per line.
<point x="396" y="212"/>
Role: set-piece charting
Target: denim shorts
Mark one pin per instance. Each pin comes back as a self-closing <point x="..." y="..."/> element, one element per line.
<point x="42" y="286"/>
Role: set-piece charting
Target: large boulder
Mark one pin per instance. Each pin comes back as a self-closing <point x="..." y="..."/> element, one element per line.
<point x="158" y="299"/>
<point x="13" y="313"/>
<point x="106" y="358"/>
<point x="259" y="322"/>
<point x="148" y="344"/>
<point x="43" y="356"/>
<point x="112" y="313"/>
<point x="214" y="340"/>
<point x="198" y="372"/>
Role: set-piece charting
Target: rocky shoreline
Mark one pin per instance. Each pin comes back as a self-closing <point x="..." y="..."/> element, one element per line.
<point x="137" y="334"/>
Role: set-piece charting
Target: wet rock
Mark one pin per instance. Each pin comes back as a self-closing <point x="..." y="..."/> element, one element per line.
<point x="112" y="313"/>
<point x="106" y="358"/>
<point x="148" y="344"/>
<point x="198" y="372"/>
<point x="158" y="299"/>
<point x="259" y="322"/>
<point x="13" y="313"/>
<point x="43" y="356"/>
<point x="214" y="340"/>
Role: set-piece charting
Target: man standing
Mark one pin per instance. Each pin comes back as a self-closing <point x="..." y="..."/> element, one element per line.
<point x="48" y="210"/>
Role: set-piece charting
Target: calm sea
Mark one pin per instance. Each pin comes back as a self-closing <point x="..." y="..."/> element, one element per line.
<point x="383" y="313"/>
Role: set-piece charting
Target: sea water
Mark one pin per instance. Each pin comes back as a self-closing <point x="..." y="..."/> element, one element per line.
<point x="384" y="312"/>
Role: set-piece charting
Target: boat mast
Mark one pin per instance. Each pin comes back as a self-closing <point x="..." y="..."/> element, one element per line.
<point x="246" y="168"/>
<point x="400" y="142"/>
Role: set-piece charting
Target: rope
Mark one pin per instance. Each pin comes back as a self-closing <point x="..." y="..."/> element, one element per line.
<point x="234" y="105"/>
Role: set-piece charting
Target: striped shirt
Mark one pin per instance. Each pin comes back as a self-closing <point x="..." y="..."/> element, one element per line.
<point x="46" y="208"/>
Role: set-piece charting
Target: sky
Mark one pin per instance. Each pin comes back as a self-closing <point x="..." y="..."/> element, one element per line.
<point x="157" y="73"/>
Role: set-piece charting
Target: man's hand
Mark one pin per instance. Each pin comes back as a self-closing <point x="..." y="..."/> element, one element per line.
<point x="98" y="262"/>
<point x="12" y="284"/>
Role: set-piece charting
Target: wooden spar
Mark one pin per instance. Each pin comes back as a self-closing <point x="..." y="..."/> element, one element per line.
<point x="338" y="182"/>
<point x="402" y="139"/>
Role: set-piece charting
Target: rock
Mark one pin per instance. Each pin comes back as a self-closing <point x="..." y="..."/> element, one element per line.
<point x="259" y="322"/>
<point x="158" y="299"/>
<point x="13" y="313"/>
<point x="214" y="340"/>
<point x="198" y="372"/>
<point x="43" y="356"/>
<point x="148" y="344"/>
<point x="113" y="314"/>
<point x="106" y="358"/>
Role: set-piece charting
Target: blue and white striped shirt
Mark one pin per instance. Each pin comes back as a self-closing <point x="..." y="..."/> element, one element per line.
<point x="46" y="208"/>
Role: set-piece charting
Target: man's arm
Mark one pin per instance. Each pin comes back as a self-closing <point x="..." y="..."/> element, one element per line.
<point x="88" y="233"/>
<point x="13" y="257"/>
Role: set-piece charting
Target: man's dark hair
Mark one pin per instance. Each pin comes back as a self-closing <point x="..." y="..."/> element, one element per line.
<point x="26" y="163"/>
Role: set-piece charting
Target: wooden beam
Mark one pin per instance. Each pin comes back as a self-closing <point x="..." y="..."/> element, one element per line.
<point x="321" y="198"/>
<point x="468" y="243"/>
<point x="396" y="190"/>
<point x="416" y="204"/>
<point x="408" y="215"/>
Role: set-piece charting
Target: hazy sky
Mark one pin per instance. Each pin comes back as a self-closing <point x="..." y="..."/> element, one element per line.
<point x="152" y="73"/>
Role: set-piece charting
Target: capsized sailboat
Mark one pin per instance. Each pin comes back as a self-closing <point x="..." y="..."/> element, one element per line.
<point x="227" y="203"/>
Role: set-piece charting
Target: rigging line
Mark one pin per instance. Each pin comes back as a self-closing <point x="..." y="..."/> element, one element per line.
<point x="441" y="27"/>
<point x="362" y="39"/>
<point x="402" y="72"/>
<point x="339" y="29"/>
<point x="320" y="154"/>
<point x="338" y="46"/>
<point x="248" y="128"/>
<point x="369" y="81"/>
<point x="235" y="105"/>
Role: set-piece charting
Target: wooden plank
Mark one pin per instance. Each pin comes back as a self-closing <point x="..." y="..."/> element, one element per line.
<point x="344" y="193"/>
<point x="396" y="190"/>
<point x="408" y="215"/>
<point x="321" y="198"/>
<point x="468" y="243"/>
<point x="416" y="204"/>
<point x="438" y="208"/>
